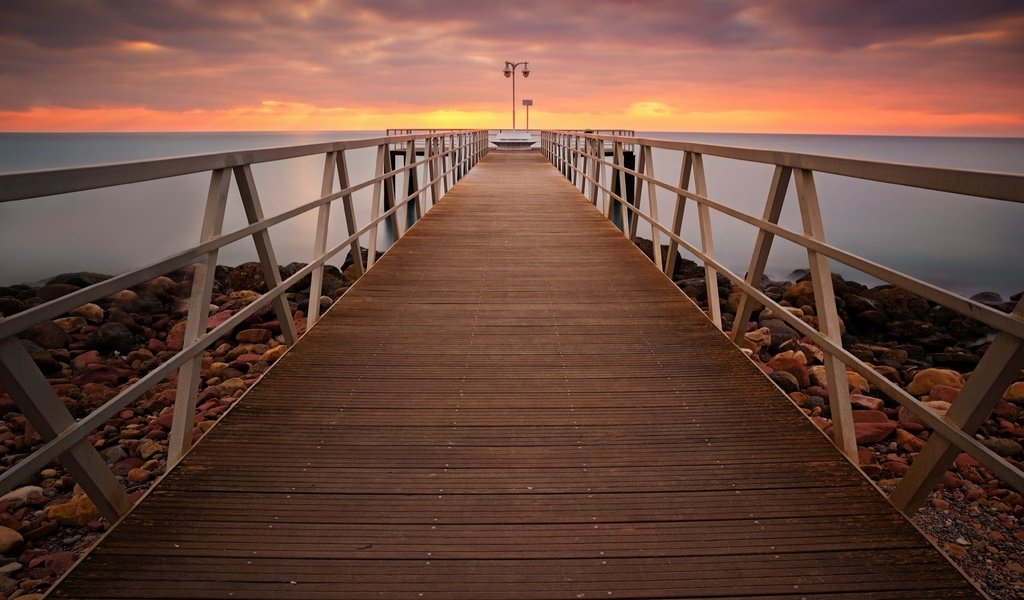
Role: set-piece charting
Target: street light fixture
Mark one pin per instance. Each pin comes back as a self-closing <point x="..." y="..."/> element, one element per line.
<point x="510" y="71"/>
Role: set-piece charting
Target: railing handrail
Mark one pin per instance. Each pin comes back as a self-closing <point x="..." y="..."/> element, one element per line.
<point x="984" y="184"/>
<point x="447" y="155"/>
<point x="23" y="185"/>
<point x="999" y="367"/>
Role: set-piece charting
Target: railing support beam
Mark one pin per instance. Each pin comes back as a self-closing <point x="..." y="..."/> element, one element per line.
<point x="26" y="385"/>
<point x="1000" y="367"/>
<point x="180" y="438"/>
<point x="828" y="317"/>
<point x="762" y="248"/>
<point x="265" y="250"/>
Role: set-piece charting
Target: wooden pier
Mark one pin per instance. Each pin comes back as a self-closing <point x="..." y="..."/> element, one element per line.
<point x="514" y="403"/>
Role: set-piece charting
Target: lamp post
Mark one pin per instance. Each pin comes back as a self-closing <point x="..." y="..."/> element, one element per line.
<point x="510" y="71"/>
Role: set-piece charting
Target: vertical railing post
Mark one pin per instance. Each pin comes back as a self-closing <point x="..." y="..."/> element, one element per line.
<point x="350" y="214"/>
<point x="36" y="400"/>
<point x="378" y="190"/>
<point x="647" y="168"/>
<point x="762" y="247"/>
<point x="638" y="190"/>
<point x="580" y="156"/>
<point x="998" y="369"/>
<point x="323" y="217"/>
<point x="828" y="316"/>
<point x="432" y="169"/>
<point x="595" y="170"/>
<point x="707" y="241"/>
<point x="685" y="169"/>
<point x="265" y="250"/>
<point x="617" y="183"/>
<point x="183" y="420"/>
<point x="443" y="156"/>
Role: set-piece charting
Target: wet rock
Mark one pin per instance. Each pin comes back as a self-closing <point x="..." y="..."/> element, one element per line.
<point x="898" y="303"/>
<point x="22" y="495"/>
<point x="873" y="433"/>
<point x="780" y="331"/>
<point x="176" y="336"/>
<point x="758" y="339"/>
<point x="793" y="365"/>
<point x="910" y="329"/>
<point x="925" y="379"/>
<point x="246" y="276"/>
<point x="1015" y="393"/>
<point x="10" y="540"/>
<point x="857" y="383"/>
<point x="147" y="449"/>
<point x="52" y="291"/>
<point x="125" y="299"/>
<point x="870" y="416"/>
<point x="41" y="357"/>
<point x="90" y="312"/>
<point x="70" y="324"/>
<point x="253" y="336"/>
<point x="112" y="337"/>
<point x="943" y="393"/>
<point x="47" y="335"/>
<point x="786" y="381"/>
<point x="861" y="402"/>
<point x="908" y="442"/>
<point x="271" y="356"/>
<point x="1003" y="446"/>
<point x="76" y="512"/>
<point x="80" y="279"/>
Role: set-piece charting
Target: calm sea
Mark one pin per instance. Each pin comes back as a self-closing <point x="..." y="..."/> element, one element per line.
<point x="965" y="244"/>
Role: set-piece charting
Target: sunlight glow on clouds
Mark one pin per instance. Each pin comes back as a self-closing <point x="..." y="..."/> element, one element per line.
<point x="908" y="67"/>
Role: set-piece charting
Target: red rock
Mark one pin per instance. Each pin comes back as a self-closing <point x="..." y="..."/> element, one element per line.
<point x="98" y="373"/>
<point x="176" y="336"/>
<point x="926" y="379"/>
<point x="940" y="504"/>
<point x="896" y="467"/>
<point x="866" y="457"/>
<point x="217" y="319"/>
<point x="793" y="366"/>
<point x="966" y="460"/>
<point x="861" y="402"/>
<point x="908" y="441"/>
<point x="253" y="336"/>
<point x="138" y="475"/>
<point x="1006" y="410"/>
<point x="872" y="433"/>
<point x="870" y="416"/>
<point x="247" y="358"/>
<point x="943" y="393"/>
<point x="950" y="480"/>
<point x="156" y="346"/>
<point x="890" y="373"/>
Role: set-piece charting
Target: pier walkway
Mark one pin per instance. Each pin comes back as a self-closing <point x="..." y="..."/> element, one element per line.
<point x="514" y="403"/>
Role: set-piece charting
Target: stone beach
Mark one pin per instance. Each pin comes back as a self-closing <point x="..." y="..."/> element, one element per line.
<point x="98" y="349"/>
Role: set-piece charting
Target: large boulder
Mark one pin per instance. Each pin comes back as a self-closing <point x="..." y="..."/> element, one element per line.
<point x="926" y="379"/>
<point x="112" y="337"/>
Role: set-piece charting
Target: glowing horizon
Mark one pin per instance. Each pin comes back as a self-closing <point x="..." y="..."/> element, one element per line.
<point x="776" y="66"/>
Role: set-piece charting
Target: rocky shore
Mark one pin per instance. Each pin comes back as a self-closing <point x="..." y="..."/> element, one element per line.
<point x="100" y="348"/>
<point x="930" y="351"/>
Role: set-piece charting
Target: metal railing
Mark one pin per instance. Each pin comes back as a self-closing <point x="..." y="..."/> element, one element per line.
<point x="581" y="157"/>
<point x="447" y="156"/>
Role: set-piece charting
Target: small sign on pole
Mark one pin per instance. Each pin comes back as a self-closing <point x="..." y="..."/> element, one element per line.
<point x="527" y="103"/>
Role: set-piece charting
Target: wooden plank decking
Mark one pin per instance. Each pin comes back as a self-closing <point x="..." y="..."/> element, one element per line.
<point x="514" y="404"/>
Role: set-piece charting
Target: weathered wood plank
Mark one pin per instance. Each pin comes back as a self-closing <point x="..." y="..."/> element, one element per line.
<point x="514" y="403"/>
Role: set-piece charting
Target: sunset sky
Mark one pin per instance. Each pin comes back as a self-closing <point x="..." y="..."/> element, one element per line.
<point x="918" y="67"/>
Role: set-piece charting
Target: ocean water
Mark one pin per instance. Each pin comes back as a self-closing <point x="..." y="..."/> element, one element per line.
<point x="962" y="243"/>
